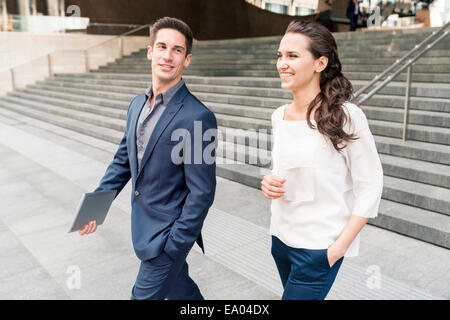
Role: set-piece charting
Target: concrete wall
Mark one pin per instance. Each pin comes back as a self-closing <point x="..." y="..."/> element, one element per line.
<point x="66" y="55"/>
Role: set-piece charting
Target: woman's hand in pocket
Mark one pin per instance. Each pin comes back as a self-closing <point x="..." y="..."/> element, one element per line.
<point x="334" y="253"/>
<point x="271" y="187"/>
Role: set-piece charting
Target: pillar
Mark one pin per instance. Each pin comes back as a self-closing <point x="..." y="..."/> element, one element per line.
<point x="33" y="8"/>
<point x="24" y="7"/>
<point x="4" y="25"/>
<point x="62" y="8"/>
<point x="53" y="6"/>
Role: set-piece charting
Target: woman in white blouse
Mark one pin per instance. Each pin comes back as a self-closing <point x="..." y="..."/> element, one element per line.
<point x="327" y="177"/>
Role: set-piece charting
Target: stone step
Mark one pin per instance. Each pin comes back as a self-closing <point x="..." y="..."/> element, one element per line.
<point x="423" y="171"/>
<point x="410" y="193"/>
<point x="396" y="88"/>
<point x="234" y="59"/>
<point x="349" y="36"/>
<point x="387" y="147"/>
<point x="98" y="132"/>
<point x="423" y="151"/>
<point x="425" y="118"/>
<point x="220" y="98"/>
<point x="414" y="222"/>
<point x="29" y="99"/>
<point x="84" y="92"/>
<point x="423" y="65"/>
<point x="388" y="61"/>
<point x="379" y="34"/>
<point x="217" y="65"/>
<point x="352" y="75"/>
<point x="369" y="37"/>
<point x="271" y="59"/>
<point x="414" y="132"/>
<point x="409" y="169"/>
<point x="391" y="55"/>
<point x="239" y="83"/>
<point x="417" y="89"/>
<point x="274" y="43"/>
<point x="343" y="47"/>
<point x="416" y="194"/>
<point x="385" y="128"/>
<point x="392" y="45"/>
<point x="269" y="80"/>
<point x="103" y="118"/>
<point x="416" y="170"/>
<point x="105" y="102"/>
<point x="103" y="121"/>
<point x="415" y="77"/>
<point x="415" y="103"/>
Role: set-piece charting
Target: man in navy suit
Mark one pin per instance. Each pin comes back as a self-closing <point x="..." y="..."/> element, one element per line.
<point x="168" y="151"/>
<point x="352" y="14"/>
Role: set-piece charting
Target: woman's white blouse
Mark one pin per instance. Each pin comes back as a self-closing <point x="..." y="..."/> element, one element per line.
<point x="323" y="187"/>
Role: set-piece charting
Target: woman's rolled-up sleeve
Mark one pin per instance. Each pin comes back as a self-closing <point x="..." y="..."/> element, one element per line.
<point x="365" y="168"/>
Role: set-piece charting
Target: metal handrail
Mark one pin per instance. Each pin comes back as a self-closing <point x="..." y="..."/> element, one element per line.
<point x="48" y="55"/>
<point x="398" y="61"/>
<point x="119" y="36"/>
<point x="101" y="24"/>
<point x="409" y="63"/>
<point x="407" y="66"/>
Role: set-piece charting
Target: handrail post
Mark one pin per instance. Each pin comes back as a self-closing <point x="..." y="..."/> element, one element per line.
<point x="120" y="47"/>
<point x="405" y="114"/>
<point x="86" y="60"/>
<point x="13" y="79"/>
<point x="49" y="62"/>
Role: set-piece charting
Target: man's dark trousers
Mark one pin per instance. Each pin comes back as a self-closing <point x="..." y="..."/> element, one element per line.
<point x="168" y="279"/>
<point x="170" y="199"/>
<point x="353" y="22"/>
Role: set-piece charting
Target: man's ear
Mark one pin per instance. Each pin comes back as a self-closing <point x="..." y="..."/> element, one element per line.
<point x="321" y="64"/>
<point x="149" y="52"/>
<point x="187" y="61"/>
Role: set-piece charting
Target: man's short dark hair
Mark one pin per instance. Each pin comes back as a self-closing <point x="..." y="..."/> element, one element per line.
<point x="172" y="23"/>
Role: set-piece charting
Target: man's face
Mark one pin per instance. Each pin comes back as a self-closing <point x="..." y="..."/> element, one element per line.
<point x="168" y="55"/>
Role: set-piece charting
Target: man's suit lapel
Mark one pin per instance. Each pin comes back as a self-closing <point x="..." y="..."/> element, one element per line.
<point x="132" y="135"/>
<point x="172" y="108"/>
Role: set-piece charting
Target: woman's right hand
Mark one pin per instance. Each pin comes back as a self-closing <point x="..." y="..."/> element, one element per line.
<point x="271" y="187"/>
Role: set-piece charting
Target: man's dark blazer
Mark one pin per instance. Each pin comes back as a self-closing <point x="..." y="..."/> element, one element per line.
<point x="169" y="200"/>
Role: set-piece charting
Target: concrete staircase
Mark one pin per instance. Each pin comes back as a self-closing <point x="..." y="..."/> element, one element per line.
<point x="238" y="81"/>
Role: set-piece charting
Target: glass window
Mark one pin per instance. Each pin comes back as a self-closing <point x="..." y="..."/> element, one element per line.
<point x="277" y="8"/>
<point x="303" y="11"/>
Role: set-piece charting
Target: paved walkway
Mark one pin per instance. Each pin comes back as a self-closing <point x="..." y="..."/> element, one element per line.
<point x="44" y="170"/>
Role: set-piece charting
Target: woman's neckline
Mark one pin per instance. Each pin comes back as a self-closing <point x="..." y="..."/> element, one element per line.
<point x="294" y="121"/>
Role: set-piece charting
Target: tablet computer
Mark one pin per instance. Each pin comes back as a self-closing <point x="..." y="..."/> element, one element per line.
<point x="93" y="206"/>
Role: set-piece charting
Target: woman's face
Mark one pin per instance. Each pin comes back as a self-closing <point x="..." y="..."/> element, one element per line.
<point x="296" y="65"/>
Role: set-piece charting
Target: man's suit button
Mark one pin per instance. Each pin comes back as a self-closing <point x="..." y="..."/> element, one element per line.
<point x="136" y="193"/>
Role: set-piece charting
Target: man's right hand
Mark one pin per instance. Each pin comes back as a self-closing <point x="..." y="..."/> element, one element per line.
<point x="88" y="228"/>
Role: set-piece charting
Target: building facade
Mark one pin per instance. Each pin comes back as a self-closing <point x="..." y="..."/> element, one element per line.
<point x="41" y="16"/>
<point x="290" y="7"/>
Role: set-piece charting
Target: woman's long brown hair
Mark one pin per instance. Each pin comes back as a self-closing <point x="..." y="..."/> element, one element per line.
<point x="335" y="88"/>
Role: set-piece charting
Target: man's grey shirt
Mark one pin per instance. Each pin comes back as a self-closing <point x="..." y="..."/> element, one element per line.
<point x="148" y="118"/>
